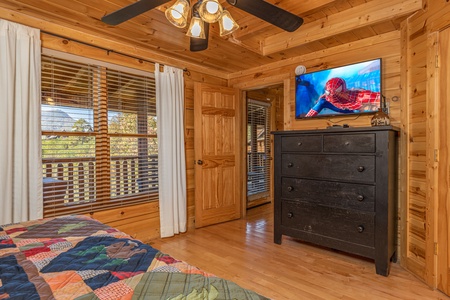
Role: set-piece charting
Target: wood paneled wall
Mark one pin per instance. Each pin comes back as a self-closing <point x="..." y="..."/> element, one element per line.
<point x="419" y="61"/>
<point x="140" y="221"/>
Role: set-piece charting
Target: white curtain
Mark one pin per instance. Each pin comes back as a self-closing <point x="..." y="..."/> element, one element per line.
<point x="20" y="130"/>
<point x="171" y="155"/>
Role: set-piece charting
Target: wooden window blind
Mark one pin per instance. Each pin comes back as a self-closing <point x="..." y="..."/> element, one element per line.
<point x="99" y="143"/>
<point x="132" y="131"/>
<point x="258" y="149"/>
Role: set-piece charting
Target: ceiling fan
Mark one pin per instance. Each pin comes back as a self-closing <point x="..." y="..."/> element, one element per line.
<point x="259" y="8"/>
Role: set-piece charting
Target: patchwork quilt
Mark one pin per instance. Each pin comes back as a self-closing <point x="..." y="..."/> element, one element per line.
<point x="75" y="257"/>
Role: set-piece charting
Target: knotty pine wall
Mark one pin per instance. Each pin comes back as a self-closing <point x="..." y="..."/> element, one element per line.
<point x="419" y="112"/>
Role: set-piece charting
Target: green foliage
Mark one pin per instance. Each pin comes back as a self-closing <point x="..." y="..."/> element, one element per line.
<point x="81" y="125"/>
<point x="67" y="146"/>
<point x="123" y="123"/>
<point x="84" y="146"/>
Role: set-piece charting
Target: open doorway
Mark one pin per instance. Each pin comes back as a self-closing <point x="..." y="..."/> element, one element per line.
<point x="262" y="107"/>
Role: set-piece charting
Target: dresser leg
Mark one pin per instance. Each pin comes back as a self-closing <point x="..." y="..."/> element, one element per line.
<point x="394" y="257"/>
<point x="383" y="267"/>
<point x="277" y="239"/>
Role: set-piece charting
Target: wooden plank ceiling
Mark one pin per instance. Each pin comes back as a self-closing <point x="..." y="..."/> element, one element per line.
<point x="327" y="24"/>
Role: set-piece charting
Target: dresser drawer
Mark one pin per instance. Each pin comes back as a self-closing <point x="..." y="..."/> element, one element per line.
<point x="301" y="143"/>
<point x="346" y="225"/>
<point x="349" y="143"/>
<point x="359" y="168"/>
<point x="336" y="194"/>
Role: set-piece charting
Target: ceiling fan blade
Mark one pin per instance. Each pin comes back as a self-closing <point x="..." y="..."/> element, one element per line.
<point x="197" y="44"/>
<point x="269" y="13"/>
<point x="131" y="11"/>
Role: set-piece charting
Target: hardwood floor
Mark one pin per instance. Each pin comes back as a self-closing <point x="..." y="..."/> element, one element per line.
<point x="243" y="251"/>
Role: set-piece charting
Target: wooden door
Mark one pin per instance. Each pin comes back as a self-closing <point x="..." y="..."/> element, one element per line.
<point x="443" y="198"/>
<point x="218" y="154"/>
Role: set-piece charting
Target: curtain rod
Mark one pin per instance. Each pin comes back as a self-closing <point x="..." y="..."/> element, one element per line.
<point x="102" y="48"/>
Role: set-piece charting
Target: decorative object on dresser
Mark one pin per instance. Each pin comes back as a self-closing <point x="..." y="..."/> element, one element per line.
<point x="381" y="117"/>
<point x="337" y="188"/>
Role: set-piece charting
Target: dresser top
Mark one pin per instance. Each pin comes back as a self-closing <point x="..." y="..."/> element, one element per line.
<point x="339" y="129"/>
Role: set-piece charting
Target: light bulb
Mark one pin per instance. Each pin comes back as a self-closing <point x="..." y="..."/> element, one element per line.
<point x="176" y="11"/>
<point x="176" y="15"/>
<point x="212" y="7"/>
<point x="196" y="29"/>
<point x="210" y="10"/>
<point x="227" y="23"/>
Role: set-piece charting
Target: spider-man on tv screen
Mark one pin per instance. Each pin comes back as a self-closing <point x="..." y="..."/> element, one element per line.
<point x="351" y="89"/>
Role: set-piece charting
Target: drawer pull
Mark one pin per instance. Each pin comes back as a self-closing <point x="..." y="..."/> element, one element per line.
<point x="299" y="144"/>
<point x="360" y="228"/>
<point x="360" y="197"/>
<point x="290" y="215"/>
<point x="360" y="169"/>
<point x="347" y="143"/>
<point x="290" y="188"/>
<point x="290" y="165"/>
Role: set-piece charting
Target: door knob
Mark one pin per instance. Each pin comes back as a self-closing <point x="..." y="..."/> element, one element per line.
<point x="200" y="162"/>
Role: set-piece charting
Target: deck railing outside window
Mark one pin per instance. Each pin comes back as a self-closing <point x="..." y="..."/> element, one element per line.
<point x="78" y="176"/>
<point x="99" y="140"/>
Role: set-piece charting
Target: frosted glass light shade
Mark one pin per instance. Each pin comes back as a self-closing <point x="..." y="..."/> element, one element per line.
<point x="227" y="24"/>
<point x="196" y="28"/>
<point x="210" y="11"/>
<point x="177" y="14"/>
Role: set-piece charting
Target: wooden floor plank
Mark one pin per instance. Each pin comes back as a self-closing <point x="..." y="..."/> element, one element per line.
<point x="243" y="251"/>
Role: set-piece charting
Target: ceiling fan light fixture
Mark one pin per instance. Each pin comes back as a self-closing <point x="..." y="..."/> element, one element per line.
<point x="227" y="24"/>
<point x="196" y="28"/>
<point x="178" y="13"/>
<point x="210" y="10"/>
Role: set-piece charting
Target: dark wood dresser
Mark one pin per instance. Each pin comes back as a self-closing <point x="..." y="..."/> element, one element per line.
<point x="338" y="188"/>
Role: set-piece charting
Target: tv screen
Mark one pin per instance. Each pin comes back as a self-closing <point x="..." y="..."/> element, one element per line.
<point x="351" y="89"/>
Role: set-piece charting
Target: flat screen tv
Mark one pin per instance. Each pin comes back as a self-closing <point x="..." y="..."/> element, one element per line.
<point x="347" y="90"/>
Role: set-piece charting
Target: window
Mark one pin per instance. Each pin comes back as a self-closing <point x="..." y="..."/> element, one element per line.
<point x="99" y="143"/>
<point x="258" y="149"/>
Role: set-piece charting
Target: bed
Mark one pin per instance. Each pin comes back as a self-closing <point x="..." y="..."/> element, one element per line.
<point x="76" y="257"/>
